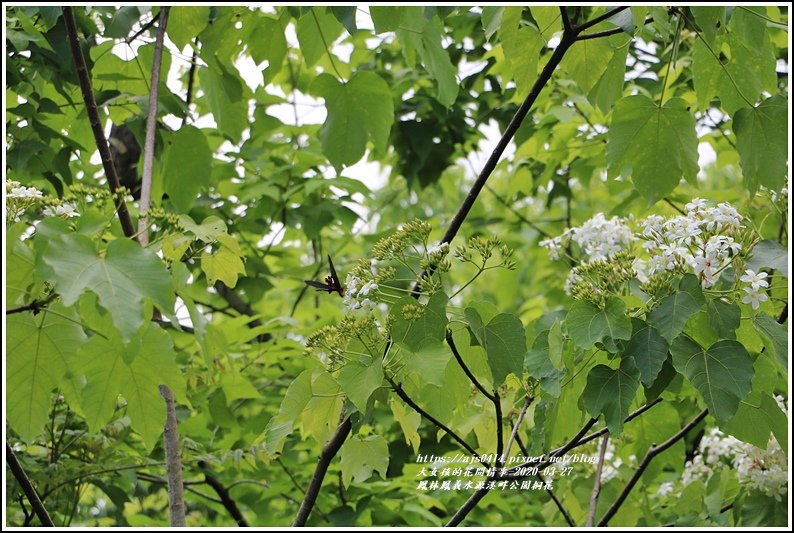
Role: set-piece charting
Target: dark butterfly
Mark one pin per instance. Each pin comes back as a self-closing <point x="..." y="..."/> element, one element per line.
<point x="331" y="284"/>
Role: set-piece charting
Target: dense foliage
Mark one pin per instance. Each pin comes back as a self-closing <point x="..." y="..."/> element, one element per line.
<point x="597" y="334"/>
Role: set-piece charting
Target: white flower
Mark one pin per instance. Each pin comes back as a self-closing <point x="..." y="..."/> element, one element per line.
<point x="368" y="287"/>
<point x="754" y="297"/>
<point x="696" y="205"/>
<point x="24" y="192"/>
<point x="755" y="280"/>
<point x="554" y="246"/>
<point x="436" y="248"/>
<point x="665" y="489"/>
<point x="67" y="210"/>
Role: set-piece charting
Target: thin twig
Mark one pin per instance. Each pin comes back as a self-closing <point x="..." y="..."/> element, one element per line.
<point x="465" y="368"/>
<point x="514" y="434"/>
<point x="151" y="127"/>
<point x="328" y="453"/>
<point x="407" y="399"/>
<point x="27" y="487"/>
<point x="35" y="306"/>
<point x="191" y="76"/>
<point x="145" y="27"/>
<point x="226" y="500"/>
<point x="607" y="33"/>
<point x="96" y="123"/>
<point x="629" y="418"/>
<point x="602" y="17"/>
<point x="652" y="452"/>
<point x="597" y="481"/>
<point x="567" y="40"/>
<point x="560" y="507"/>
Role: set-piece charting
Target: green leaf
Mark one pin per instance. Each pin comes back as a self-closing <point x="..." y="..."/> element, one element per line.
<point x="185" y="22"/>
<point x="757" y="417"/>
<point x="587" y="61"/>
<point x="642" y="134"/>
<point x="39" y="350"/>
<point x="556" y="344"/>
<point x="120" y="23"/>
<point x="587" y="324"/>
<point x="209" y="230"/>
<point x="361" y="456"/>
<point x="610" y="391"/>
<point x="295" y="400"/>
<point x="122" y="279"/>
<point x="386" y="18"/>
<point x="20" y="263"/>
<point x="225" y="265"/>
<point x="359" y="381"/>
<point x="224" y="92"/>
<point x="722" y="374"/>
<point x="724" y="318"/>
<point x="762" y="142"/>
<point x="431" y="327"/>
<point x="648" y="349"/>
<point x="769" y="254"/>
<point x="346" y="130"/>
<point x="267" y="43"/>
<point x="538" y="364"/>
<point x="236" y="387"/>
<point x="504" y="341"/>
<point x="609" y="86"/>
<point x="491" y="18"/>
<point x="522" y="44"/>
<point x="671" y="315"/>
<point x="346" y="15"/>
<point x="317" y="29"/>
<point x="427" y="360"/>
<point x="135" y="372"/>
<point x="711" y="20"/>
<point x="409" y="421"/>
<point x="187" y="166"/>
<point x="775" y="337"/>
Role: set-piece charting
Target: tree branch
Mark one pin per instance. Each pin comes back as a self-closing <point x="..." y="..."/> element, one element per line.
<point x="36" y="306"/>
<point x="407" y="399"/>
<point x="173" y="460"/>
<point x="27" y="487"/>
<point x="514" y="433"/>
<point x="465" y="368"/>
<point x="566" y="22"/>
<point x="597" y="482"/>
<point x="328" y="453"/>
<point x="96" y="123"/>
<point x="151" y="127"/>
<point x="652" y="452"/>
<point x="606" y="33"/>
<point x="630" y="417"/>
<point x="602" y="17"/>
<point x="226" y="500"/>
<point x="191" y="75"/>
<point x="568" y="38"/>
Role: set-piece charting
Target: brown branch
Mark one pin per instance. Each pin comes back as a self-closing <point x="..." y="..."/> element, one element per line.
<point x="560" y="507"/>
<point x="36" y="306"/>
<point x="151" y="127"/>
<point x="96" y="123"/>
<point x="629" y="418"/>
<point x="465" y="368"/>
<point x="191" y="75"/>
<point x="568" y="38"/>
<point x="440" y="425"/>
<point x="173" y="459"/>
<point x="597" y="482"/>
<point x="514" y="434"/>
<point x="652" y="452"/>
<point x="27" y="487"/>
<point x="329" y="451"/>
<point x="606" y="33"/>
<point x="226" y="500"/>
<point x="138" y="33"/>
<point x="602" y="17"/>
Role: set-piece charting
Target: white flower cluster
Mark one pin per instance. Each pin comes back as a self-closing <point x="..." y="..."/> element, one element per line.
<point x="357" y="293"/>
<point x="438" y="248"/>
<point x="762" y="469"/>
<point x="774" y="195"/>
<point x="67" y="210"/>
<point x="696" y="240"/>
<point x="598" y="237"/>
<point x="14" y="189"/>
<point x="754" y="295"/>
